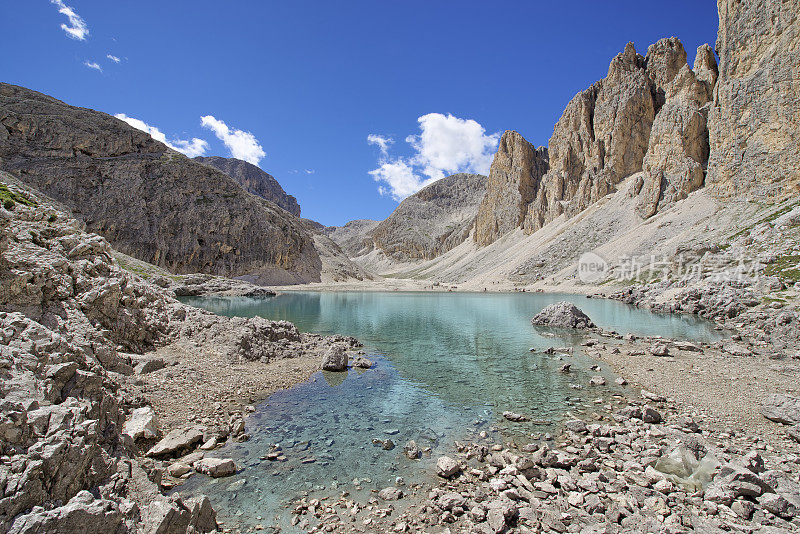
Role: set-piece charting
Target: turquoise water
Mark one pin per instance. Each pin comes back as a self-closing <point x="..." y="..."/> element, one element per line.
<point x="447" y="366"/>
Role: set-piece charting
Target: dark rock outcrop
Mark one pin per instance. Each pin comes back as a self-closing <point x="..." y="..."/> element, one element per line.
<point x="150" y="202"/>
<point x="254" y="180"/>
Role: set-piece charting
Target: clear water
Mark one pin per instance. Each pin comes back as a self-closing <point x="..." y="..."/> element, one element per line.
<point x="447" y="366"/>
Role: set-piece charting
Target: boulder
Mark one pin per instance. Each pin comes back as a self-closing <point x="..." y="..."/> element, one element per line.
<point x="216" y="467"/>
<point x="176" y="442"/>
<point x="446" y="467"/>
<point x="563" y="315"/>
<point x="142" y="424"/>
<point x="362" y="363"/>
<point x="335" y="359"/>
<point x="781" y="409"/>
<point x="390" y="494"/>
<point x="515" y="417"/>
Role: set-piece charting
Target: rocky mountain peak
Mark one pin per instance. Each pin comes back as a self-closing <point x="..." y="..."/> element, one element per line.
<point x="254" y="180"/>
<point x="514" y="177"/>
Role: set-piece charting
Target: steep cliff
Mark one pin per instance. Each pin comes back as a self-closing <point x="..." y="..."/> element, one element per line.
<point x="150" y="202"/>
<point x="513" y="180"/>
<point x="254" y="180"/>
<point x="754" y="124"/>
<point x="605" y="135"/>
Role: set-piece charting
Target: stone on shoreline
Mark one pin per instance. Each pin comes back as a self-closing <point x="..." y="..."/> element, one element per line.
<point x="178" y="441"/>
<point x="563" y="315"/>
<point x="446" y="467"/>
<point x="335" y="359"/>
<point x="390" y="494"/>
<point x="216" y="467"/>
<point x="142" y="424"/>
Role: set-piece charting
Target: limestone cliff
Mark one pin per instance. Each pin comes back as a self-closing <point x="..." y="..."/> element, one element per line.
<point x="513" y="180"/>
<point x="254" y="180"/>
<point x="150" y="202"/>
<point x="605" y="135"/>
<point x="754" y="124"/>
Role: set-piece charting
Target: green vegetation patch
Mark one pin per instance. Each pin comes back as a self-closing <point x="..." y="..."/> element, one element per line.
<point x="786" y="267"/>
<point x="9" y="198"/>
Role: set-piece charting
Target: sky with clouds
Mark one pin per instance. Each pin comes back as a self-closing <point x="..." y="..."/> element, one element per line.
<point x="352" y="105"/>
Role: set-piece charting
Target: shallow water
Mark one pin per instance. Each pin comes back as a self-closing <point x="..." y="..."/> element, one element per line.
<point x="447" y="366"/>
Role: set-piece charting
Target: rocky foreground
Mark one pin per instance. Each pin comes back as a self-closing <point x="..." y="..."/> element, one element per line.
<point x="633" y="465"/>
<point x="100" y="371"/>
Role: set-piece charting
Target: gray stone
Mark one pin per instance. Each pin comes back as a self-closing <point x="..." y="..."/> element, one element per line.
<point x="335" y="359"/>
<point x="176" y="442"/>
<point x="781" y="409"/>
<point x="564" y="315"/>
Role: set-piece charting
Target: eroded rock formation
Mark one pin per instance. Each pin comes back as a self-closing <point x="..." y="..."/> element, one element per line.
<point x="150" y="202"/>
<point x="607" y="133"/>
<point x="514" y="178"/>
<point x="754" y="124"/>
<point x="674" y="165"/>
<point x="254" y="180"/>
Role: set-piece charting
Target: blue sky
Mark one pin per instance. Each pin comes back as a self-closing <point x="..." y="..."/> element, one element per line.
<point x="306" y="83"/>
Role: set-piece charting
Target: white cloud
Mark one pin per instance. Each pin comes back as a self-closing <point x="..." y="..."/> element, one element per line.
<point x="113" y="58"/>
<point x="192" y="148"/>
<point x="242" y="145"/>
<point x="446" y="145"/>
<point x="381" y="142"/>
<point x="77" y="28"/>
<point x="93" y="65"/>
<point x="400" y="178"/>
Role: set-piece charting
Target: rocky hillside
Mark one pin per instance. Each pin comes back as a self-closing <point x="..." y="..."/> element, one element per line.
<point x="77" y="339"/>
<point x="354" y="237"/>
<point x="150" y="202"/>
<point x="433" y="220"/>
<point x="254" y="180"/>
<point x="428" y="223"/>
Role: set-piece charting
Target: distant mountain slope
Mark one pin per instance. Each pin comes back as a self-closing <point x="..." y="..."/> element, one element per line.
<point x="433" y="220"/>
<point x="354" y="237"/>
<point x="424" y="225"/>
<point x="149" y="201"/>
<point x="254" y="180"/>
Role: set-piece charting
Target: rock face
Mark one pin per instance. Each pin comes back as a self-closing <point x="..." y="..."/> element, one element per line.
<point x="254" y="180"/>
<point x="674" y="165"/>
<point x="754" y="124"/>
<point x="648" y="114"/>
<point x="150" y="202"/>
<point x="433" y="220"/>
<point x="514" y="178"/>
<point x="564" y="315"/>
